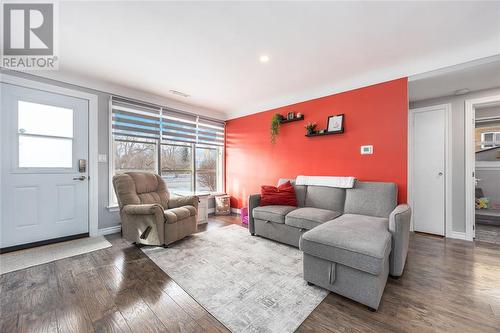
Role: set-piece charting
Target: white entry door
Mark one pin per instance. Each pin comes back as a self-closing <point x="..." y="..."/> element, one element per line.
<point x="428" y="169"/>
<point x="44" y="176"/>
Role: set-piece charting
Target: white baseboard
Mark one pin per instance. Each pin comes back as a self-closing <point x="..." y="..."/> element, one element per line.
<point x="457" y="235"/>
<point x="235" y="210"/>
<point x="109" y="230"/>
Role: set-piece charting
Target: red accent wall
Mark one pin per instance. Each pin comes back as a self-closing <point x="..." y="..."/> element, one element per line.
<point x="374" y="115"/>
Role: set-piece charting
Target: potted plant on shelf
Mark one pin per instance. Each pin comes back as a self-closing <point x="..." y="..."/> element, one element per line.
<point x="311" y="128"/>
<point x="275" y="126"/>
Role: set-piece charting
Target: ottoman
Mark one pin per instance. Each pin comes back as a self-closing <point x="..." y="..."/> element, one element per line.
<point x="349" y="256"/>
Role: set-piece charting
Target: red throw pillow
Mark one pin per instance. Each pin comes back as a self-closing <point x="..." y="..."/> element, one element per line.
<point x="281" y="195"/>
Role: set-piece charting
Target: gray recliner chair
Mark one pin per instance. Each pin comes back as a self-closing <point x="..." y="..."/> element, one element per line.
<point x="149" y="215"/>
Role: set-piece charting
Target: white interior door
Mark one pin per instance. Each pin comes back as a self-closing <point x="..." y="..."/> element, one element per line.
<point x="428" y="169"/>
<point x="44" y="182"/>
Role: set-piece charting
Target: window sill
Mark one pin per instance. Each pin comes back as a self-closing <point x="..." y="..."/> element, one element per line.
<point x="113" y="208"/>
<point x="200" y="194"/>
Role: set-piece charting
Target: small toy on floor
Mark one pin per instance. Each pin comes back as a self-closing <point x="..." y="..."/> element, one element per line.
<point x="482" y="203"/>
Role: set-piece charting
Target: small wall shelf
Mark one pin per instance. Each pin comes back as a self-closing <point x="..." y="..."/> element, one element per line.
<point x="284" y="121"/>
<point x="326" y="133"/>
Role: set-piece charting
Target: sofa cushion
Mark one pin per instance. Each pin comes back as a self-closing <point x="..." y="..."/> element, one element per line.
<point x="283" y="195"/>
<point x="371" y="198"/>
<point x="174" y="215"/>
<point x="358" y="241"/>
<point x="309" y="217"/>
<point x="272" y="213"/>
<point x="300" y="190"/>
<point x="325" y="197"/>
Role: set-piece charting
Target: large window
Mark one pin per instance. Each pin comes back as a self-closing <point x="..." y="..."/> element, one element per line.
<point x="206" y="169"/>
<point x="134" y="154"/>
<point x="177" y="166"/>
<point x="186" y="150"/>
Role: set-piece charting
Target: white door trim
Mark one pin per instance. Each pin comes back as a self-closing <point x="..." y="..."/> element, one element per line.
<point x="93" y="136"/>
<point x="448" y="158"/>
<point x="470" y="160"/>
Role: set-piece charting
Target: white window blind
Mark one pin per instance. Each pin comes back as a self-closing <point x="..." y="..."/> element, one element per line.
<point x="210" y="132"/>
<point x="135" y="119"/>
<point x="178" y="126"/>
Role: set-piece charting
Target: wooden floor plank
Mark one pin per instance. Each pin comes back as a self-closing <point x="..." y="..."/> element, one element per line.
<point x="137" y="314"/>
<point x="448" y="286"/>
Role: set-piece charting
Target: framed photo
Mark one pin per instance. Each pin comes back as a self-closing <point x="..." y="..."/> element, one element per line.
<point x="335" y="123"/>
<point x="290" y="115"/>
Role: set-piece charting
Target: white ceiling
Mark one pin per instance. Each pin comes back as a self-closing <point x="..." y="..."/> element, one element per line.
<point x="210" y="50"/>
<point x="482" y="75"/>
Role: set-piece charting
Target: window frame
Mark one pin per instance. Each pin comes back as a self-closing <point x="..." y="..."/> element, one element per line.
<point x="220" y="167"/>
<point x="192" y="147"/>
<point x="494" y="142"/>
<point x="16" y="152"/>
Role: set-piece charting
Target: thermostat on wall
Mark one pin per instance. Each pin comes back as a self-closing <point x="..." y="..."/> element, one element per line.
<point x="367" y="150"/>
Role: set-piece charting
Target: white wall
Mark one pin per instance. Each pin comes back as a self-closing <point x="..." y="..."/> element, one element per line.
<point x="458" y="148"/>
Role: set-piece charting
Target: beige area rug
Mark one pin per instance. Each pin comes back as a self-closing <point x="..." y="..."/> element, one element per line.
<point x="16" y="260"/>
<point x="250" y="284"/>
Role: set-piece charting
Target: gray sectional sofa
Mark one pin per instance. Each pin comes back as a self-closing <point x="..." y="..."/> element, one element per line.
<point x="352" y="239"/>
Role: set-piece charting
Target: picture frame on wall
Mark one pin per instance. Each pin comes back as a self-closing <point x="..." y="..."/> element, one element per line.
<point x="335" y="123"/>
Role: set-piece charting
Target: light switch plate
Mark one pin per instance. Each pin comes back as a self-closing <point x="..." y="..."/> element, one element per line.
<point x="367" y="150"/>
<point x="103" y="158"/>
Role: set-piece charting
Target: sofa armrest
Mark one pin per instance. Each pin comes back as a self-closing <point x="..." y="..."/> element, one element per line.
<point x="253" y="201"/>
<point x="180" y="201"/>
<point x="147" y="209"/>
<point x="399" y="226"/>
<point x="143" y="224"/>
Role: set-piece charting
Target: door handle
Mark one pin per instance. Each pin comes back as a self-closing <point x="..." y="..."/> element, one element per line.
<point x="81" y="178"/>
<point x="440" y="173"/>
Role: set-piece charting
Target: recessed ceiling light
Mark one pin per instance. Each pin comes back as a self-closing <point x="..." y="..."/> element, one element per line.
<point x="176" y="92"/>
<point x="264" y="58"/>
<point x="462" y="91"/>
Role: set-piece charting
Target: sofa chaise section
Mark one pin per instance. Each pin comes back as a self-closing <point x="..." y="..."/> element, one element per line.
<point x="349" y="256"/>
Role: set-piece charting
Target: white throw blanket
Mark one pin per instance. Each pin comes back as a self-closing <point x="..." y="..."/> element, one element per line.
<point x="330" y="181"/>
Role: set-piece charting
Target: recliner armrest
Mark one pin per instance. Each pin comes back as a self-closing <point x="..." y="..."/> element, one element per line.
<point x="253" y="201"/>
<point x="145" y="209"/>
<point x="399" y="226"/>
<point x="179" y="201"/>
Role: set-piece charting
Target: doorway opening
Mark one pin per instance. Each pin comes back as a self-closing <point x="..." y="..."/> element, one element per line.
<point x="487" y="172"/>
<point x="472" y="90"/>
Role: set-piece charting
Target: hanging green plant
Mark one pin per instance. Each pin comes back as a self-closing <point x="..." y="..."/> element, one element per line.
<point x="275" y="126"/>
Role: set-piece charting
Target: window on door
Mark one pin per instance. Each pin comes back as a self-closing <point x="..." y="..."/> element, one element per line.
<point x="186" y="150"/>
<point x="45" y="136"/>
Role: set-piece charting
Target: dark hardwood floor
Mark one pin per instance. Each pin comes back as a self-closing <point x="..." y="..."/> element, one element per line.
<point x="448" y="285"/>
<point x="488" y="233"/>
